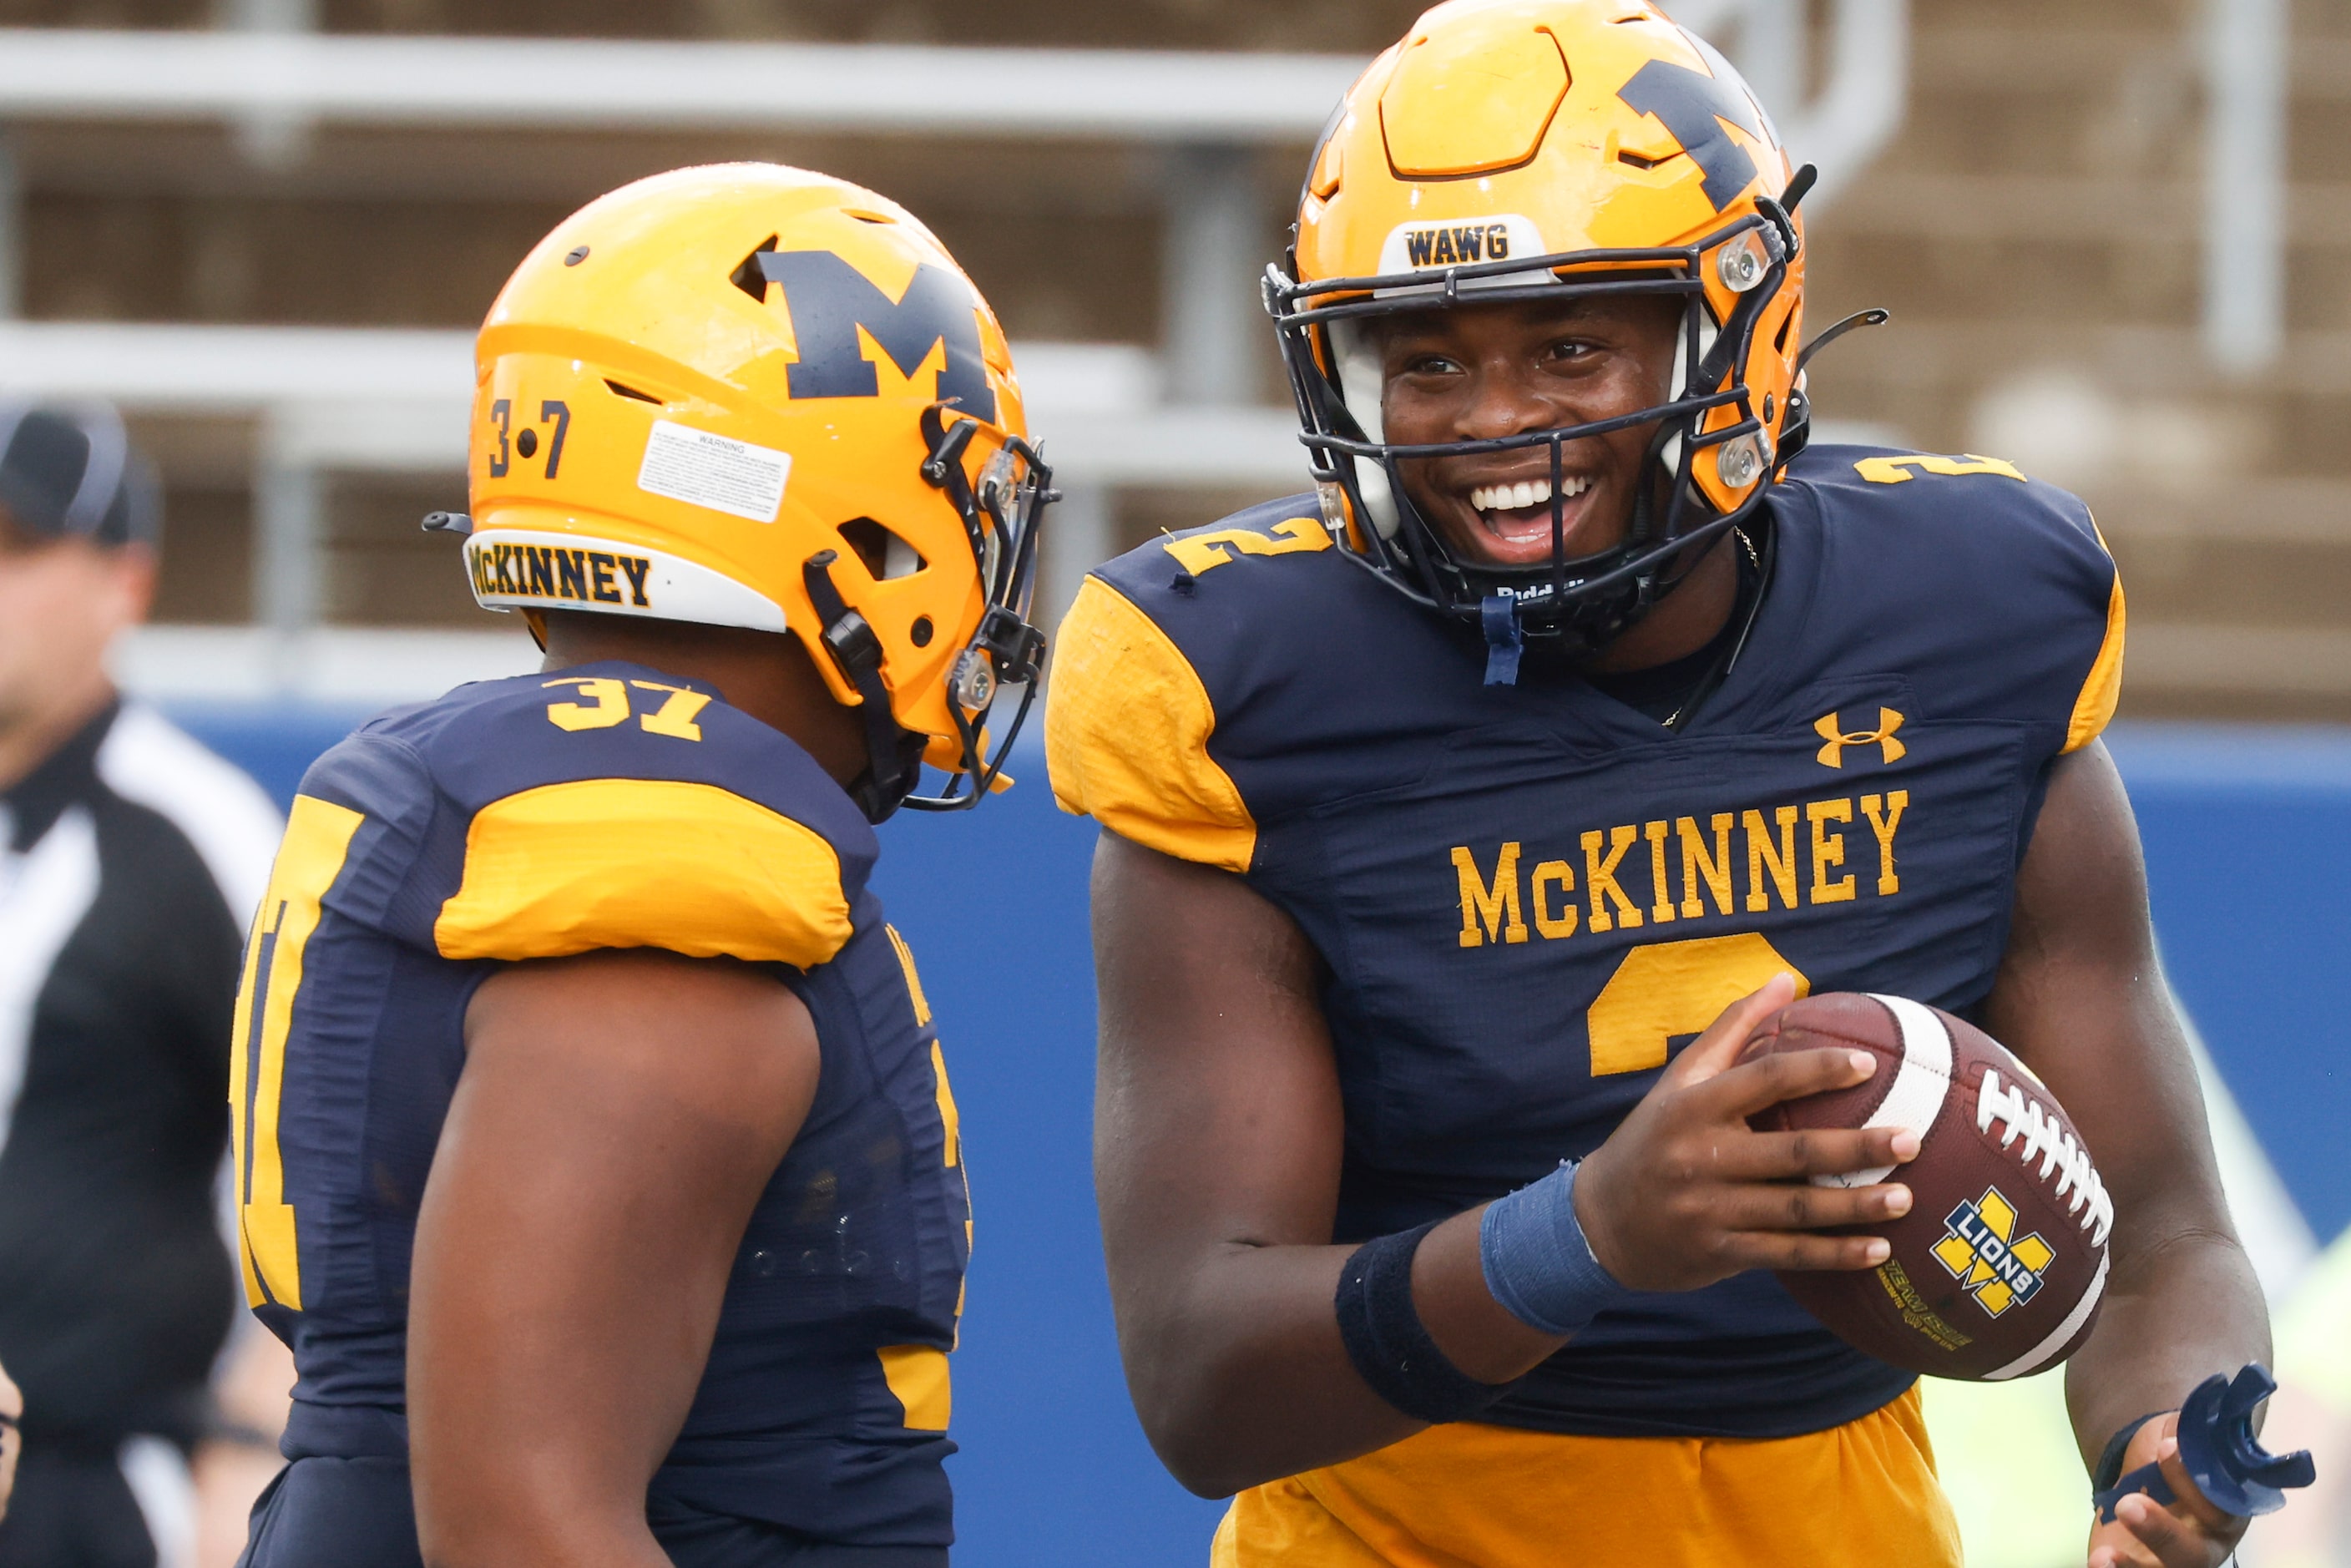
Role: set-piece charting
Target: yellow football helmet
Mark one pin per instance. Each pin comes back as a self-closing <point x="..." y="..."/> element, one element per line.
<point x="1512" y="150"/>
<point x="749" y="395"/>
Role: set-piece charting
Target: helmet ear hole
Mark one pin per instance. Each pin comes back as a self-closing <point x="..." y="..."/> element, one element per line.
<point x="750" y="278"/>
<point x="886" y="555"/>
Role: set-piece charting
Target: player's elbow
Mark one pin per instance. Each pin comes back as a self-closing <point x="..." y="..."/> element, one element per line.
<point x="1217" y="1396"/>
<point x="1200" y="1464"/>
<point x="1197" y="1435"/>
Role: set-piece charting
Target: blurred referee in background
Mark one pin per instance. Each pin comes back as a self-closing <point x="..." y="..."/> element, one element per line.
<point x="130" y="858"/>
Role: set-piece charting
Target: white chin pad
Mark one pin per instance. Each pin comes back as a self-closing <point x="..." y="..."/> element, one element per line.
<point x="902" y="560"/>
<point x="1361" y="385"/>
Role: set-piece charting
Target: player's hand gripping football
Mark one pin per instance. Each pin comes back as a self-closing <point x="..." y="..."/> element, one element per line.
<point x="2189" y="1533"/>
<point x="1684" y="1193"/>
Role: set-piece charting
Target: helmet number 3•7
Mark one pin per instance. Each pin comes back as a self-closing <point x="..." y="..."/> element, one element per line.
<point x="525" y="443"/>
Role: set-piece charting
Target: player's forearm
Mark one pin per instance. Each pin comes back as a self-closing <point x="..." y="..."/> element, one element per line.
<point x="1244" y="1377"/>
<point x="1239" y="1373"/>
<point x="2178" y="1311"/>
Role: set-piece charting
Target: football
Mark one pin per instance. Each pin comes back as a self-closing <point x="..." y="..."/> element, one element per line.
<point x="1997" y="1269"/>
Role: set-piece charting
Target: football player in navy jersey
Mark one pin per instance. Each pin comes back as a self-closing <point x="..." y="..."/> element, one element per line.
<point x="1464" y="819"/>
<point x="594" y="1147"/>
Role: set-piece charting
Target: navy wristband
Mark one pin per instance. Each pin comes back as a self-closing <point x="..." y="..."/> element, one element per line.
<point x="1536" y="1261"/>
<point x="2110" y="1462"/>
<point x="1390" y="1346"/>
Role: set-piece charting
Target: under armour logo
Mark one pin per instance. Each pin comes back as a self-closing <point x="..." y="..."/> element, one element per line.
<point x="1831" y="730"/>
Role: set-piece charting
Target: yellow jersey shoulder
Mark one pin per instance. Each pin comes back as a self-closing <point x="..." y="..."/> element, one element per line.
<point x="1127" y="722"/>
<point x="614" y="806"/>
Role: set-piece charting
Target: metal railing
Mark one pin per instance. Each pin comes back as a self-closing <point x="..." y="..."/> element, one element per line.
<point x="1865" y="91"/>
<point x="2243" y="48"/>
<point x="12" y="230"/>
<point x="336" y="401"/>
<point x="358" y="400"/>
<point x="103" y="75"/>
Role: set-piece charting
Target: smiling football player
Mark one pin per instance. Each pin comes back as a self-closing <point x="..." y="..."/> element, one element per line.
<point x="1464" y="817"/>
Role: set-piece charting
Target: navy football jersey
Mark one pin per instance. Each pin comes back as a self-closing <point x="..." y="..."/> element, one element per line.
<point x="606" y="805"/>
<point x="1529" y="897"/>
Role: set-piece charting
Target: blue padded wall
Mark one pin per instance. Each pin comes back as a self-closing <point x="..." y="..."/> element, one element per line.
<point x="2247" y="835"/>
<point x="2248" y="839"/>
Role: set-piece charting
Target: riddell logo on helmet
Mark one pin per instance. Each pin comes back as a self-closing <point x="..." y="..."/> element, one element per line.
<point x="1461" y="242"/>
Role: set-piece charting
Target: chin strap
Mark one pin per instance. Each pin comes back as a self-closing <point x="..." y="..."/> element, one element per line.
<point x="1506" y="640"/>
<point x="893" y="755"/>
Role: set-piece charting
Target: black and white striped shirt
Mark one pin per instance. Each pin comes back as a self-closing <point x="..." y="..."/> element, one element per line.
<point x="129" y="861"/>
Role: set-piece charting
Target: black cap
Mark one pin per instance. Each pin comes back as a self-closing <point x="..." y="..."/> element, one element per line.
<point x="70" y="472"/>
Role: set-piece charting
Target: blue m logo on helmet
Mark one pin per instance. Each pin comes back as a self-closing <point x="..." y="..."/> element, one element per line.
<point x="830" y="299"/>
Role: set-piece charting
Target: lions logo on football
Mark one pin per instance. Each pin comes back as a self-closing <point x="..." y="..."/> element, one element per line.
<point x="1983" y="1253"/>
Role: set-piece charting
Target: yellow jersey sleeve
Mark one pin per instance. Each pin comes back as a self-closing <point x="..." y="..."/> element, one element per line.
<point x="1127" y="723"/>
<point x="689" y="867"/>
<point x="2103" y="687"/>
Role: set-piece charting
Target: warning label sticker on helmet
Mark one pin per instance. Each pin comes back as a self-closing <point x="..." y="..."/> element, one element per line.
<point x="705" y="470"/>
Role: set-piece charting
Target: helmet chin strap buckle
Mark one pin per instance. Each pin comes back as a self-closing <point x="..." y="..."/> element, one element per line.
<point x="894" y="756"/>
<point x="1506" y="640"/>
<point x="1017" y="647"/>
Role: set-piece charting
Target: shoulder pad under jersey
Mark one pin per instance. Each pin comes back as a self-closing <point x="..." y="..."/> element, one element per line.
<point x="606" y="805"/>
<point x="1134" y="701"/>
<point x="2009" y="574"/>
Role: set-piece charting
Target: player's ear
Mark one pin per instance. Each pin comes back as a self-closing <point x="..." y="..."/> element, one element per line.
<point x="136" y="568"/>
<point x="117" y="581"/>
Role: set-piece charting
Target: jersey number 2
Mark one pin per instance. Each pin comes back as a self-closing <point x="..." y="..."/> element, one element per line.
<point x="317" y="839"/>
<point x="1665" y="989"/>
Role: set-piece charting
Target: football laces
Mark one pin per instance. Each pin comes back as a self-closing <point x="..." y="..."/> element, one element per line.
<point x="2046" y="1139"/>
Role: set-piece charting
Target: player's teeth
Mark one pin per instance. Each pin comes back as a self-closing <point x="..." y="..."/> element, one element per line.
<point x="1532" y="492"/>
